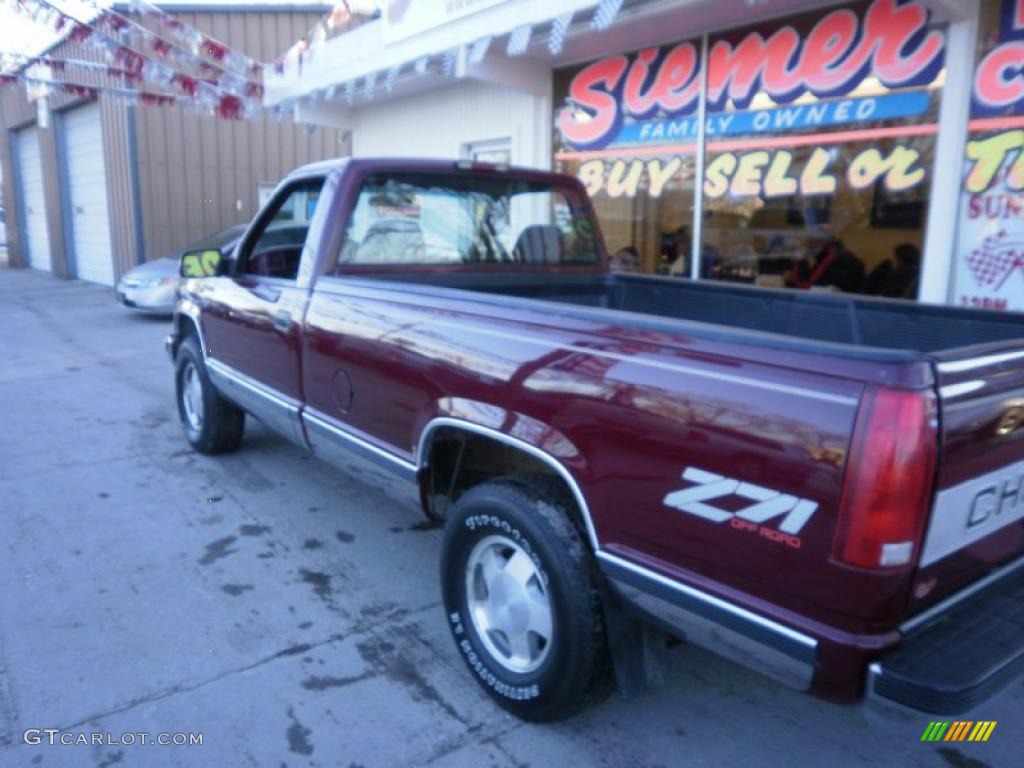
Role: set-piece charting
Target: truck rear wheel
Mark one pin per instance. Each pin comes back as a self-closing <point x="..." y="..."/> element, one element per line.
<point x="211" y="424"/>
<point x="521" y="601"/>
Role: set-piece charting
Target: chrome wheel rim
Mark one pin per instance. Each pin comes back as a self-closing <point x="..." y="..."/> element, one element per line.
<point x="509" y="604"/>
<point x="192" y="397"/>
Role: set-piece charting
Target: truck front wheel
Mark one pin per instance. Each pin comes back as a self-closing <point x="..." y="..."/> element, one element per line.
<point x="521" y="601"/>
<point x="211" y="424"/>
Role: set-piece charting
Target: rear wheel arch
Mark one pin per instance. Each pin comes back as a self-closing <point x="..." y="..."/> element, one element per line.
<point x="455" y="455"/>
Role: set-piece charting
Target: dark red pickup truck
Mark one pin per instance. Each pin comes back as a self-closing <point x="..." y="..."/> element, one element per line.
<point x="826" y="488"/>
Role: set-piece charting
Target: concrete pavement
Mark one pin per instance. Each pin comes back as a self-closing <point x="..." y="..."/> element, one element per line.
<point x="287" y="611"/>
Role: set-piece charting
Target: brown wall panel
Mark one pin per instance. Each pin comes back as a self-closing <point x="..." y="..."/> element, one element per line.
<point x="189" y="159"/>
<point x="7" y="193"/>
<point x="120" y="192"/>
<point x="181" y="158"/>
<point x="51" y="185"/>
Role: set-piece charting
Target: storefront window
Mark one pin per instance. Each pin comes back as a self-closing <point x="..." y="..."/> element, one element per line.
<point x="628" y="131"/>
<point x="820" y="144"/>
<point x="819" y="140"/>
<point x="989" y="257"/>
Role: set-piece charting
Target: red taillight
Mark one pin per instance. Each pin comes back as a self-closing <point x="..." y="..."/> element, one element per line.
<point x="889" y="476"/>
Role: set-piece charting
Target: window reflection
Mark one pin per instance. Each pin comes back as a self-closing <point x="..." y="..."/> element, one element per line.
<point x="819" y="140"/>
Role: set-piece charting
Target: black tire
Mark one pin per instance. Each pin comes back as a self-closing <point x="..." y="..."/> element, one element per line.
<point x="576" y="670"/>
<point x="221" y="423"/>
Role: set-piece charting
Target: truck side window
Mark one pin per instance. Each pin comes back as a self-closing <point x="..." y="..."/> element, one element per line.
<point x="275" y="248"/>
<point x="460" y="218"/>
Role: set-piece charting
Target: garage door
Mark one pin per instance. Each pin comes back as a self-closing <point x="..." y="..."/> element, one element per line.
<point x="33" y="200"/>
<point x="87" y="195"/>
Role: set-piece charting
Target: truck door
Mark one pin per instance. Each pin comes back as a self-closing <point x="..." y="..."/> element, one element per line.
<point x="252" y="318"/>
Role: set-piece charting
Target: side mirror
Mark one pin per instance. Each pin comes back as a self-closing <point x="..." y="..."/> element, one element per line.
<point x="209" y="263"/>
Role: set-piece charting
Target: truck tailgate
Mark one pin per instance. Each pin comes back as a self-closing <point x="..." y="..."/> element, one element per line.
<point x="977" y="518"/>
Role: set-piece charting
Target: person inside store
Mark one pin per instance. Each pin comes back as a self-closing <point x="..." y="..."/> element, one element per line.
<point x="675" y="246"/>
<point x="896" y="277"/>
<point x="626" y="259"/>
<point x="675" y="254"/>
<point x="832" y="266"/>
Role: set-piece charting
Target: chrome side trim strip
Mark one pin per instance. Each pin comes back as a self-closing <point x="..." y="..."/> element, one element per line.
<point x="447" y="421"/>
<point x="273" y="408"/>
<point x="706" y="633"/>
<point x="957" y="366"/>
<point x="950" y="391"/>
<point x="788" y="641"/>
<point x="252" y="385"/>
<point x="941" y="607"/>
<point x="320" y="422"/>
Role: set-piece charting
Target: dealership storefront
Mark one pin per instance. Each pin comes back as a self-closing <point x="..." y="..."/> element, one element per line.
<point x="872" y="147"/>
<point x="817" y="148"/>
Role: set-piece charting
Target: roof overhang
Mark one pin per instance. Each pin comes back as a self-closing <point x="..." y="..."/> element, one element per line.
<point x="341" y="75"/>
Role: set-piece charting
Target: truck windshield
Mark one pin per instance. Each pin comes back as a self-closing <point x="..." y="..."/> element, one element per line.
<point x="467" y="218"/>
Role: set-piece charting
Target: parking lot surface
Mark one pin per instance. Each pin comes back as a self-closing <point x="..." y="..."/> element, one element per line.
<point x="287" y="611"/>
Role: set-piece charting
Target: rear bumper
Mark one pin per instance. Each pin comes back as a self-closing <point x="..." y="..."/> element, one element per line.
<point x="959" y="658"/>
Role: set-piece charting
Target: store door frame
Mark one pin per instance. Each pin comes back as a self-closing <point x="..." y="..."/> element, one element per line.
<point x="943" y="222"/>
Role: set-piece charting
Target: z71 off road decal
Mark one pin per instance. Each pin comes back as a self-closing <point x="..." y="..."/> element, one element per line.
<point x="768" y="504"/>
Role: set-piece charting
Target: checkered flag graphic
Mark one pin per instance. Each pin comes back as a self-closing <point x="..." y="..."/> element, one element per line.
<point x="998" y="257"/>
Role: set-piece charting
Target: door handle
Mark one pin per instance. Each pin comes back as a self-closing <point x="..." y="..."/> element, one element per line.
<point x="283" y="320"/>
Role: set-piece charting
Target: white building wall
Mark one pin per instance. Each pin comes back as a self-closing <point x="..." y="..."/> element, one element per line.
<point x="439" y="123"/>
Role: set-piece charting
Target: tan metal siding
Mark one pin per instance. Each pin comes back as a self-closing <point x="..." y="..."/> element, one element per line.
<point x="120" y="194"/>
<point x="18" y="112"/>
<point x="184" y="159"/>
<point x="181" y="158"/>
<point x="54" y="222"/>
<point x="7" y="193"/>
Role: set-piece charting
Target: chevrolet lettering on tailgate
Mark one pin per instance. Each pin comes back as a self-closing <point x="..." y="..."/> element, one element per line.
<point x="974" y="509"/>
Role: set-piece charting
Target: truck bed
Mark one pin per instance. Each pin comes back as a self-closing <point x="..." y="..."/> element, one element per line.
<point x="972" y="358"/>
<point x="862" y="327"/>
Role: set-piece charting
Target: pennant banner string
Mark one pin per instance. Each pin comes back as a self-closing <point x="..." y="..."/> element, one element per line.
<point x="187" y="35"/>
<point x="228" y="107"/>
<point x="121" y="39"/>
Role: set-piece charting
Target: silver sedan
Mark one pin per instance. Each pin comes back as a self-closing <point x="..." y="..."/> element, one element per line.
<point x="152" y="287"/>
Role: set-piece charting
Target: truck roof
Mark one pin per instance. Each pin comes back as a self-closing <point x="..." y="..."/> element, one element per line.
<point x="424" y="165"/>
